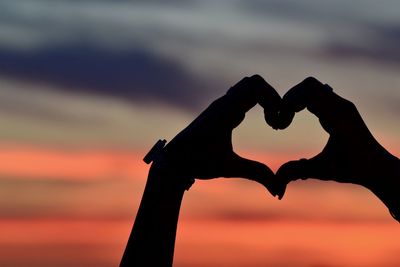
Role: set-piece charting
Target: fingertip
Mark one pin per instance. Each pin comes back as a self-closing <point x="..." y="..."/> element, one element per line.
<point x="281" y="190"/>
<point x="265" y="176"/>
<point x="272" y="119"/>
<point x="281" y="183"/>
<point x="285" y="118"/>
<point x="258" y="172"/>
<point x="257" y="78"/>
<point x="311" y="81"/>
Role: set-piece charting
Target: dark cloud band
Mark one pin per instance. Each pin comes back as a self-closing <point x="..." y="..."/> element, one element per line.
<point x="132" y="75"/>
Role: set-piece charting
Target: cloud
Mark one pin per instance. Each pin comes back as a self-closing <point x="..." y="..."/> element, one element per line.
<point x="141" y="51"/>
<point x="380" y="44"/>
<point x="346" y="31"/>
<point x="134" y="75"/>
<point x="337" y="27"/>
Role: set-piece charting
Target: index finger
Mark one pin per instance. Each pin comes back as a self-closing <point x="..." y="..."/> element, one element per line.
<point x="228" y="111"/>
<point x="251" y="91"/>
<point x="334" y="112"/>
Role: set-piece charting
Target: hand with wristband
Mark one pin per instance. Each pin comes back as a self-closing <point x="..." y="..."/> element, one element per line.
<point x="203" y="150"/>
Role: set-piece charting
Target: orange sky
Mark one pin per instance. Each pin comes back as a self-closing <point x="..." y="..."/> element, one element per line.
<point x="223" y="223"/>
<point x="212" y="243"/>
<point x="37" y="162"/>
<point x="107" y="172"/>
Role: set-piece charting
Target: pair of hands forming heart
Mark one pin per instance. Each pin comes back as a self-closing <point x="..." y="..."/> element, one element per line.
<point x="352" y="155"/>
<point x="204" y="150"/>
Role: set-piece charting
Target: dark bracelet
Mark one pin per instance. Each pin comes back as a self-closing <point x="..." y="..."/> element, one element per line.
<point x="162" y="167"/>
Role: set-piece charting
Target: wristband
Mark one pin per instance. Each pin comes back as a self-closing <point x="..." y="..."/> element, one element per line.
<point x="155" y="152"/>
<point x="161" y="165"/>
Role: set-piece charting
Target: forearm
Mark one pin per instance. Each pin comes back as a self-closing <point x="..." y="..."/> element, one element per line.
<point x="152" y="239"/>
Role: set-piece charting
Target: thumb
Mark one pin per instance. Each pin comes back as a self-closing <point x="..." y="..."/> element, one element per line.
<point x="252" y="170"/>
<point x="294" y="170"/>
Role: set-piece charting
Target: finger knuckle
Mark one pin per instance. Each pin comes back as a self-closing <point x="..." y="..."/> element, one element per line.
<point x="257" y="77"/>
<point x="312" y="81"/>
<point x="257" y="80"/>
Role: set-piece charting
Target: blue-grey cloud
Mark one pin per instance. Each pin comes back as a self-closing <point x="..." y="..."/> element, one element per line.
<point x="97" y="46"/>
<point x="381" y="45"/>
<point x="132" y="75"/>
<point x="351" y="31"/>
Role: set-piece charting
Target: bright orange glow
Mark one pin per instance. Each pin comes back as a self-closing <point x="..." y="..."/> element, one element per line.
<point x="223" y="222"/>
<point x="71" y="164"/>
<point x="205" y="243"/>
<point x="288" y="243"/>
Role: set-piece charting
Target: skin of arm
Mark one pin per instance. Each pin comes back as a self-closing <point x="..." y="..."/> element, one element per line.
<point x="202" y="150"/>
<point x="352" y="154"/>
<point x="152" y="240"/>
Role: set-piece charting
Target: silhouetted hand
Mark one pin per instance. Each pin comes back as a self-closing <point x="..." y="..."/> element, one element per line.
<point x="204" y="149"/>
<point x="352" y="155"/>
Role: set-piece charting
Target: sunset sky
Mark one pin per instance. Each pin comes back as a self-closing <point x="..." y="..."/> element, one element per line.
<point x="87" y="87"/>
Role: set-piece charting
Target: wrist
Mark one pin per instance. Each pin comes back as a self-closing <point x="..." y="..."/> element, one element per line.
<point x="164" y="171"/>
<point x="167" y="176"/>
